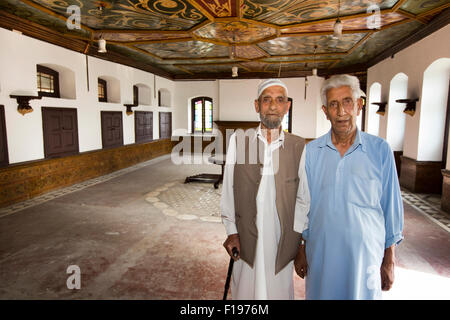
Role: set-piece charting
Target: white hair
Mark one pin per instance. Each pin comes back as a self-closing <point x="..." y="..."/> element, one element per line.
<point x="337" y="81"/>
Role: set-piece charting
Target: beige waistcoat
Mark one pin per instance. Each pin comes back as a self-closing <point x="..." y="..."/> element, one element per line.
<point x="247" y="178"/>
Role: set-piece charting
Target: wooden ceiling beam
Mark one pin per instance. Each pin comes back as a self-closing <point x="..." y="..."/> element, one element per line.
<point x="360" y="42"/>
<point x="397" y="5"/>
<point x="433" y="11"/>
<point x="198" y="26"/>
<point x="201" y="9"/>
<point x="155" y="41"/>
<point x="143" y="51"/>
<point x="141" y="31"/>
<point x="411" y="16"/>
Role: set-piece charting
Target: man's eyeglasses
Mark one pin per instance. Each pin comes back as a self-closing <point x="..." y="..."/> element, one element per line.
<point x="347" y="103"/>
<point x="269" y="100"/>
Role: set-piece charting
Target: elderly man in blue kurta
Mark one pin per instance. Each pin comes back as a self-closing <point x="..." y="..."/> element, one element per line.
<point x="356" y="211"/>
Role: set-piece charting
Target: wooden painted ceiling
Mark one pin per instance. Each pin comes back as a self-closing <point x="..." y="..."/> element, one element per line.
<point x="197" y="39"/>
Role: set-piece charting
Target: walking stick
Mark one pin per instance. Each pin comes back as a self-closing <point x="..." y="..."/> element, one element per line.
<point x="230" y="271"/>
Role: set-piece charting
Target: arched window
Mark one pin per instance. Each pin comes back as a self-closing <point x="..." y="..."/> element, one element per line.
<point x="202" y="114"/>
<point x="102" y="90"/>
<point x="47" y="82"/>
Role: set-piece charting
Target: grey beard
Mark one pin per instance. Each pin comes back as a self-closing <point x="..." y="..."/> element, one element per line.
<point x="270" y="124"/>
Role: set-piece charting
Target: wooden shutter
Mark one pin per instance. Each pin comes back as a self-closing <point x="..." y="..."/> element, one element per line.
<point x="143" y="126"/>
<point x="135" y="95"/>
<point x="4" y="159"/>
<point x="112" y="130"/>
<point x="60" y="131"/>
<point x="165" y="125"/>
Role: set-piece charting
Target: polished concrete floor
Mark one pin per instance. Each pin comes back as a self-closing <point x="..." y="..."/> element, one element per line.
<point x="141" y="233"/>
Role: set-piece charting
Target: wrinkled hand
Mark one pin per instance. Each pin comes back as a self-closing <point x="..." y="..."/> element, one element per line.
<point x="387" y="275"/>
<point x="300" y="263"/>
<point x="230" y="242"/>
<point x="387" y="269"/>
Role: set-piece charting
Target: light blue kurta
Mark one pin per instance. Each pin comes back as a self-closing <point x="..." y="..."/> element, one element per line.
<point x="356" y="212"/>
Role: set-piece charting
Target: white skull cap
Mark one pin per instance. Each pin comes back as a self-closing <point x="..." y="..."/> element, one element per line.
<point x="269" y="83"/>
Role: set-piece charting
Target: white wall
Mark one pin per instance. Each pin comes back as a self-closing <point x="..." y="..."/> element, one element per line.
<point x="412" y="61"/>
<point x="236" y="99"/>
<point x="185" y="92"/>
<point x="395" y="129"/>
<point x="373" y="119"/>
<point x="18" y="59"/>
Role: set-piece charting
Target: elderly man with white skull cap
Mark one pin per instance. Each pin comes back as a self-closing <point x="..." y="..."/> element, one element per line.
<point x="263" y="176"/>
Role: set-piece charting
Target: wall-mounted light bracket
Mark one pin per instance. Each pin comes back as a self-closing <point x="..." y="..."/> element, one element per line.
<point x="381" y="107"/>
<point x="129" y="106"/>
<point x="410" y="105"/>
<point x="24" y="103"/>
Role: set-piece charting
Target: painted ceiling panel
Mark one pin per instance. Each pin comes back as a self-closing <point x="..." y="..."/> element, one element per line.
<point x="418" y="7"/>
<point x="379" y="42"/>
<point x="189" y="49"/>
<point x="189" y="37"/>
<point x="350" y="24"/>
<point x="235" y="31"/>
<point x="283" y="12"/>
<point x="306" y="44"/>
<point x="131" y="14"/>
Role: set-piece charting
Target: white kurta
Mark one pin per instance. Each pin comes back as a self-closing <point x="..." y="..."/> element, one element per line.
<point x="260" y="282"/>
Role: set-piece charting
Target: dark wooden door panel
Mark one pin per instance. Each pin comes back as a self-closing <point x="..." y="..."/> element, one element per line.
<point x="165" y="125"/>
<point x="112" y="130"/>
<point x="4" y="159"/>
<point x="60" y="131"/>
<point x="143" y="126"/>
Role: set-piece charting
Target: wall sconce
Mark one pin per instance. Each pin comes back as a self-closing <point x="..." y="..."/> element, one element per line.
<point x="410" y="105"/>
<point x="234" y="72"/>
<point x="337" y="29"/>
<point x="338" y="26"/>
<point x="24" y="103"/>
<point x="381" y="107"/>
<point x="129" y="111"/>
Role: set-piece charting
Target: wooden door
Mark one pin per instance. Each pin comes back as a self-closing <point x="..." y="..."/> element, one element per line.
<point x="4" y="159"/>
<point x="60" y="131"/>
<point x="446" y="132"/>
<point x="165" y="125"/>
<point x="112" y="130"/>
<point x="143" y="126"/>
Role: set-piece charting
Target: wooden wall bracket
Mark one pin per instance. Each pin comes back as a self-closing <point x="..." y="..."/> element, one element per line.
<point x="381" y="107"/>
<point x="24" y="103"/>
<point x="410" y="105"/>
<point x="129" y="106"/>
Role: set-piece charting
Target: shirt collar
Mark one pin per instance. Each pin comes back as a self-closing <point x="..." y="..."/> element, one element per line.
<point x="359" y="140"/>
<point x="258" y="132"/>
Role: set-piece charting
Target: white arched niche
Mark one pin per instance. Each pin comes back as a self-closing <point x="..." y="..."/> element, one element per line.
<point x="145" y="94"/>
<point x="373" y="119"/>
<point x="164" y="97"/>
<point x="112" y="88"/>
<point x="395" y="131"/>
<point x="433" y="111"/>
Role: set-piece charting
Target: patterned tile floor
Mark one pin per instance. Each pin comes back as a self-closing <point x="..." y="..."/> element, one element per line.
<point x="429" y="206"/>
<point x="76" y="187"/>
<point x="201" y="200"/>
<point x="189" y="201"/>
